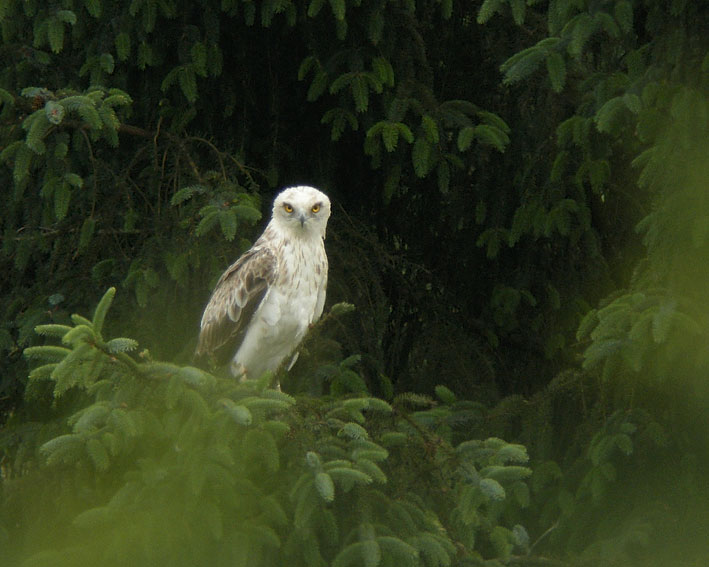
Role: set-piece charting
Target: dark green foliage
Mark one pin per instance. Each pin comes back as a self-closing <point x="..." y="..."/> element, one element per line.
<point x="143" y="132"/>
<point x="520" y="219"/>
<point x="629" y="144"/>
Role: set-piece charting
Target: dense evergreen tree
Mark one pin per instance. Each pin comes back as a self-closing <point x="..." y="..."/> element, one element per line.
<point x="520" y="218"/>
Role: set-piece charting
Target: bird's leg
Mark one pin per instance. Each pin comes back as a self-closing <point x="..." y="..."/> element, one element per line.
<point x="237" y="370"/>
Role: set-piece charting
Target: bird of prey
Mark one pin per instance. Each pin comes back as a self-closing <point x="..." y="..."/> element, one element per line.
<point x="266" y="300"/>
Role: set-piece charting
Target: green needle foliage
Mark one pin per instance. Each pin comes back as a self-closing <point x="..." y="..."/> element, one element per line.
<point x="147" y="463"/>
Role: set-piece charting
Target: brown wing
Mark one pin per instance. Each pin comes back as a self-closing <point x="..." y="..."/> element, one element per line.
<point x="235" y="298"/>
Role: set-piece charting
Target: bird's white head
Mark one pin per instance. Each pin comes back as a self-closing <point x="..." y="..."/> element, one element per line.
<point x="302" y="210"/>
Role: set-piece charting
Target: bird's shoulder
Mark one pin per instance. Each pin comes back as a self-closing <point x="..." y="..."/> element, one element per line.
<point x="256" y="266"/>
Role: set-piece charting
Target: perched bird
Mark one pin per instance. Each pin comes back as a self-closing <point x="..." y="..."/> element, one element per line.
<point x="266" y="300"/>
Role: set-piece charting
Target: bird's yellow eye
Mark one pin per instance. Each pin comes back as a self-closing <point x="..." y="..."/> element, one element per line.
<point x="287" y="207"/>
<point x="316" y="208"/>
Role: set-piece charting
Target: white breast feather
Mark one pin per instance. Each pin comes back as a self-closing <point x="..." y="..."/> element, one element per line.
<point x="289" y="286"/>
<point x="287" y="310"/>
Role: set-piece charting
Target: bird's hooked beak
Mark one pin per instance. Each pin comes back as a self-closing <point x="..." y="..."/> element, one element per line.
<point x="302" y="218"/>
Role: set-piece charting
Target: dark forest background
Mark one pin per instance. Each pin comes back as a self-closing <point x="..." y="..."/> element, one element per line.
<point x="512" y="369"/>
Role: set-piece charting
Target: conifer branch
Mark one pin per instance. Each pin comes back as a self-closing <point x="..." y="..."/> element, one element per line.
<point x="124" y="359"/>
<point x="546" y="533"/>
